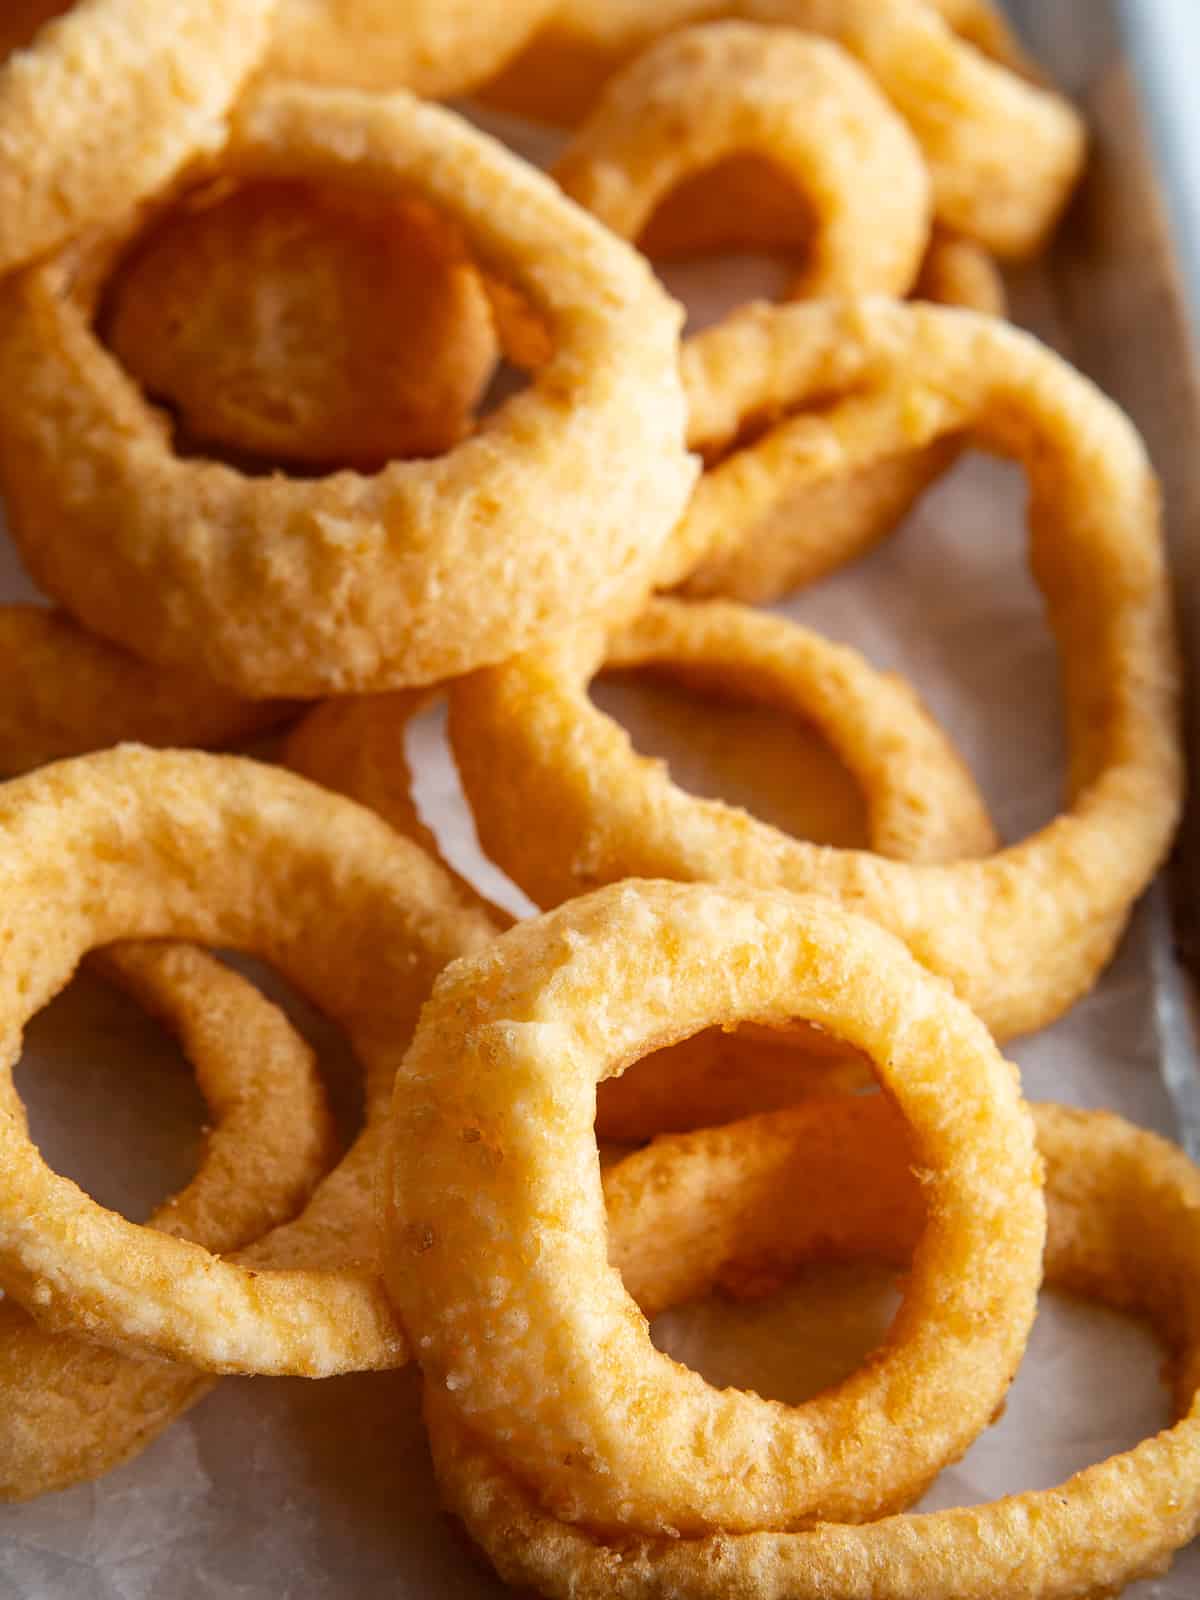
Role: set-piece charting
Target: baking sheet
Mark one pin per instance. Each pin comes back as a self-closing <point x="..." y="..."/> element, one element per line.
<point x="278" y="1488"/>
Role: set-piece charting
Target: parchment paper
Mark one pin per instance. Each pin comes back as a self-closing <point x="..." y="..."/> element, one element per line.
<point x="272" y="1489"/>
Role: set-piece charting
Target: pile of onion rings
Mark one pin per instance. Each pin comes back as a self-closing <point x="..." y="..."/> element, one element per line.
<point x="1023" y="933"/>
<point x="259" y="446"/>
<point x="780" y="1187"/>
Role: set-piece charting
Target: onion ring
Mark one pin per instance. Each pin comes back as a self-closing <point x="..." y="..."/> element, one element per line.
<point x="927" y="808"/>
<point x="1103" y="1528"/>
<point x="70" y="1410"/>
<point x="1004" y="153"/>
<point x="107" y="102"/>
<point x="303" y="324"/>
<point x="436" y="48"/>
<point x="290" y="586"/>
<point x="703" y="96"/>
<point x="67" y="692"/>
<point x="803" y="532"/>
<point x="923" y="805"/>
<point x="217" y="849"/>
<point x="1023" y="933"/>
<point x="731" y="89"/>
<point x="496" y="1256"/>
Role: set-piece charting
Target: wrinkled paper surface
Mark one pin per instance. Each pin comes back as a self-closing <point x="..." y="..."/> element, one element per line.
<point x="276" y="1488"/>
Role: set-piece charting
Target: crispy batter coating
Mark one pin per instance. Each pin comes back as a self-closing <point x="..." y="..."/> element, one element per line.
<point x="436" y="48"/>
<point x="496" y="1253"/>
<point x="1004" y="153"/>
<point x="704" y="94"/>
<point x="71" y="1410"/>
<point x="559" y="505"/>
<point x="104" y="104"/>
<point x="143" y="844"/>
<point x="1020" y="934"/>
<point x="307" y="325"/>
<point x="67" y="692"/>
<point x="835" y="1180"/>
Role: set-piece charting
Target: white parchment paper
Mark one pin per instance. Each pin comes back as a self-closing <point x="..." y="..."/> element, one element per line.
<point x="273" y="1489"/>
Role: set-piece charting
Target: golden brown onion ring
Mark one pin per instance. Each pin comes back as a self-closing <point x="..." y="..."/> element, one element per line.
<point x="71" y="1410"/>
<point x="496" y="1254"/>
<point x="835" y="1180"/>
<point x="143" y="844"/>
<point x="1003" y="152"/>
<point x="561" y="502"/>
<point x="1020" y="934"/>
<point x="802" y="105"/>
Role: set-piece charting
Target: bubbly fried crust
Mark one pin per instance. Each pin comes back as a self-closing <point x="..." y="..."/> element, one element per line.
<point x="1020" y="934"/>
<point x="496" y="1227"/>
<point x="835" y="1180"/>
<point x="143" y="844"/>
<point x="67" y="692"/>
<point x="560" y="503"/>
<point x="1004" y="153"/>
<point x="105" y="104"/>
<point x="71" y="1410"/>
<point x="292" y="321"/>
<point x="436" y="48"/>
<point x="731" y="89"/>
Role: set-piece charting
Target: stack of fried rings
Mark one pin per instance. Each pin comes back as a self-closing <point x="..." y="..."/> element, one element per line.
<point x="582" y="1459"/>
<point x="357" y="917"/>
<point x="832" y="1180"/>
<point x="671" y="124"/>
<point x="1021" y="934"/>
<point x="497" y="1255"/>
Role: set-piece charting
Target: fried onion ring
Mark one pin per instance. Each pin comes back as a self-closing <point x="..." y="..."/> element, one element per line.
<point x="496" y="1258"/>
<point x="561" y="501"/>
<point x="217" y="849"/>
<point x="1003" y="152"/>
<point x="71" y="1410"/>
<point x="305" y="324"/>
<point x="927" y="809"/>
<point x="803" y="532"/>
<point x="702" y="95"/>
<point x="922" y="803"/>
<point x="67" y="692"/>
<point x="1020" y="934"/>
<point x="436" y="48"/>
<point x="834" y="1180"/>
<point x="692" y="110"/>
<point x="104" y="104"/>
